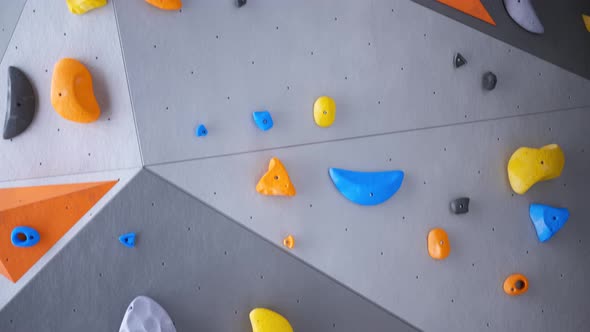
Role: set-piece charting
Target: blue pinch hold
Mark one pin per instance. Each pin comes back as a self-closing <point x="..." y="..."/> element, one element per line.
<point x="547" y="220"/>
<point x="24" y="236"/>
<point x="367" y="188"/>
<point x="201" y="131"/>
<point x="128" y="239"/>
<point x="263" y="120"/>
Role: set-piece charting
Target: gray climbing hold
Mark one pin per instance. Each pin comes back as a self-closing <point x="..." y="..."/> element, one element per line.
<point x="21" y="103"/>
<point x="240" y="3"/>
<point x="524" y="14"/>
<point x="459" y="60"/>
<point x="489" y="81"/>
<point x="146" y="315"/>
<point x="460" y="205"/>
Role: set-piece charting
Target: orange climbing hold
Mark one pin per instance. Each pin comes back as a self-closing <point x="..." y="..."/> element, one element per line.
<point x="72" y="94"/>
<point x="439" y="246"/>
<point x="289" y="242"/>
<point x="516" y="284"/>
<point x="51" y="210"/>
<point x="276" y="181"/>
<point x="471" y="7"/>
<point x="166" y="4"/>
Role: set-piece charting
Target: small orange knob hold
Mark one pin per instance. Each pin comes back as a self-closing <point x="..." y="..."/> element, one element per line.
<point x="516" y="284"/>
<point x="166" y="4"/>
<point x="439" y="246"/>
<point x="289" y="242"/>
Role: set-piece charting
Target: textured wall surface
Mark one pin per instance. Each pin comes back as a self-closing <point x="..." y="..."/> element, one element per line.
<point x="8" y="19"/>
<point x="204" y="269"/>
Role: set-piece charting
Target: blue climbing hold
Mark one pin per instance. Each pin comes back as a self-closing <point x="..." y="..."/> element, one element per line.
<point x="201" y="131"/>
<point x="128" y="239"/>
<point x="547" y="220"/>
<point x="263" y="120"/>
<point x="367" y="188"/>
<point x="24" y="236"/>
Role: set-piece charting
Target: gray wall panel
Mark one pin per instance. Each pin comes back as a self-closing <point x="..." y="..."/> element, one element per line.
<point x="205" y="270"/>
<point x="9" y="16"/>
<point x="381" y="251"/>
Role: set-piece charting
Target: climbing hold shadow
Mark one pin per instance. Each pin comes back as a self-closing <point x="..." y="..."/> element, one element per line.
<point x="367" y="188"/>
<point x="528" y="166"/>
<point x="263" y="120"/>
<point x="516" y="284"/>
<point x="80" y="7"/>
<point x="289" y="242"/>
<point x="24" y="236"/>
<point x="470" y="7"/>
<point x="438" y="243"/>
<point x="201" y="131"/>
<point x="324" y="111"/>
<point x="265" y="320"/>
<point x="547" y="220"/>
<point x="276" y="181"/>
<point x="524" y="14"/>
<point x="240" y="3"/>
<point x="146" y="315"/>
<point x="489" y="81"/>
<point x="21" y="103"/>
<point x="72" y="94"/>
<point x="128" y="239"/>
<point x="166" y="4"/>
<point x="459" y="60"/>
<point x="586" y="20"/>
<point x="460" y="205"/>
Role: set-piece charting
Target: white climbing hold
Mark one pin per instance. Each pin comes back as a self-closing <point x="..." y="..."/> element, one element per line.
<point x="146" y="315"/>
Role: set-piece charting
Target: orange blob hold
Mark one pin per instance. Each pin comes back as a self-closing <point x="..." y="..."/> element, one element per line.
<point x="72" y="95"/>
<point x="51" y="210"/>
<point x="289" y="242"/>
<point x="516" y="284"/>
<point x="471" y="7"/>
<point x="276" y="181"/>
<point x="439" y="246"/>
<point x="166" y="4"/>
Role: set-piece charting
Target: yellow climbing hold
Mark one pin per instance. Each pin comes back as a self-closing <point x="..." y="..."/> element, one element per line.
<point x="80" y="7"/>
<point x="265" y="320"/>
<point x="586" y="19"/>
<point x="276" y="182"/>
<point x="324" y="111"/>
<point x="528" y="166"/>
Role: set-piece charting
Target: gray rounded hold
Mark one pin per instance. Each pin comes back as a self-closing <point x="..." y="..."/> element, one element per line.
<point x="489" y="81"/>
<point x="460" y="205"/>
<point x="146" y="315"/>
<point x="523" y="13"/>
<point x="21" y="103"/>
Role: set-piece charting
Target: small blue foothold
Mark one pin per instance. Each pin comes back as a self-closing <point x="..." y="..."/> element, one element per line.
<point x="263" y="120"/>
<point x="367" y="188"/>
<point x="128" y="239"/>
<point x="24" y="236"/>
<point x="547" y="220"/>
<point x="201" y="131"/>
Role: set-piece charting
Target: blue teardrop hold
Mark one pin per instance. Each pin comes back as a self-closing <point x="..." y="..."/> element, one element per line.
<point x="201" y="131"/>
<point x="547" y="220"/>
<point x="128" y="239"/>
<point x="24" y="236"/>
<point x="367" y="188"/>
<point x="263" y="120"/>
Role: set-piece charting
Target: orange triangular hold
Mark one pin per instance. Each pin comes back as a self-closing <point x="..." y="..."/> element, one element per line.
<point x="51" y="210"/>
<point x="471" y="7"/>
<point x="276" y="181"/>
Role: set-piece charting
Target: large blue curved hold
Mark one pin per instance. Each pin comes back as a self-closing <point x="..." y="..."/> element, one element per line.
<point x="263" y="120"/>
<point x="367" y="188"/>
<point x="547" y="220"/>
<point x="24" y="236"/>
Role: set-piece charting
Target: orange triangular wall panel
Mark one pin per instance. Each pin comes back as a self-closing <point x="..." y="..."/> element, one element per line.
<point x="51" y="210"/>
<point x="471" y="7"/>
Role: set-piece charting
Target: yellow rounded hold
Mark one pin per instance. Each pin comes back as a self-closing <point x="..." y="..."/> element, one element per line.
<point x="264" y="320"/>
<point x="80" y="7"/>
<point x="324" y="111"/>
<point x="528" y="166"/>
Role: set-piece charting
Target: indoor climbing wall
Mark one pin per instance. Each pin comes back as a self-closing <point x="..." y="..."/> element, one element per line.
<point x="178" y="89"/>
